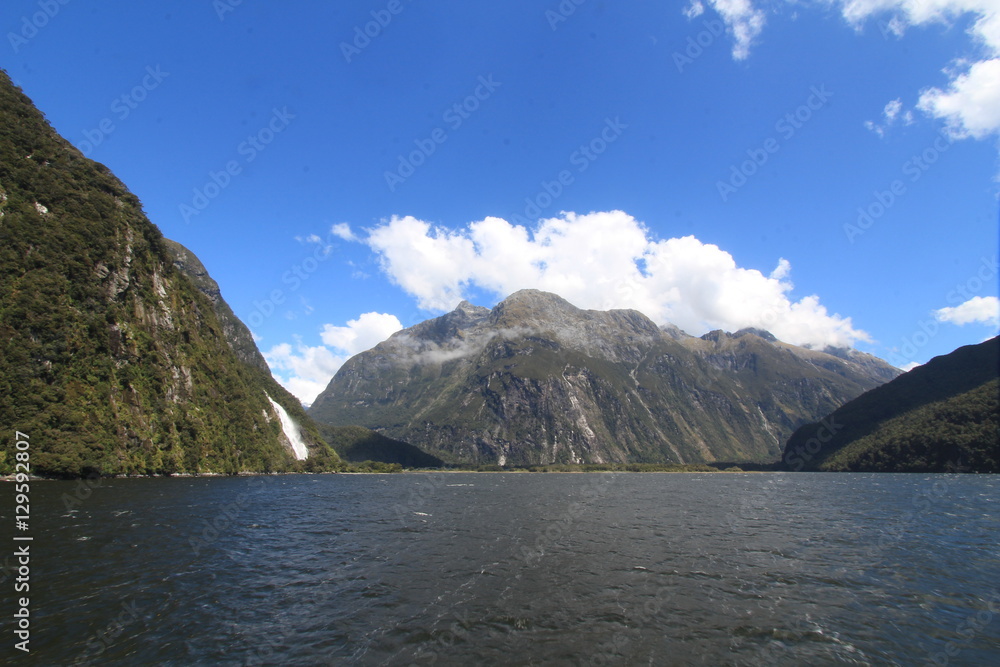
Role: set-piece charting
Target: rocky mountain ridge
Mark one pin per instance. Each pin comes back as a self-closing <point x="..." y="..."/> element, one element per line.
<point x="536" y="380"/>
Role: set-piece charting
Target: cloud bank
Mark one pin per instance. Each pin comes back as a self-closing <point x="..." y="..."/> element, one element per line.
<point x="978" y="309"/>
<point x="602" y="261"/>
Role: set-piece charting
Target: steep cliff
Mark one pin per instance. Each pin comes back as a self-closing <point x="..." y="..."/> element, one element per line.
<point x="112" y="360"/>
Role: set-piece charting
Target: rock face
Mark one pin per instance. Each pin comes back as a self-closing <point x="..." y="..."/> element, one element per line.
<point x="943" y="416"/>
<point x="117" y="352"/>
<point x="237" y="334"/>
<point x="536" y="380"/>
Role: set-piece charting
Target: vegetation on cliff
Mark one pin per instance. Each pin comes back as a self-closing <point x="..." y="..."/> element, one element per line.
<point x="940" y="417"/>
<point x="113" y="361"/>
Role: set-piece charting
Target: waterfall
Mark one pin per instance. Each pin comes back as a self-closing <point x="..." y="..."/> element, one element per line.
<point x="291" y="430"/>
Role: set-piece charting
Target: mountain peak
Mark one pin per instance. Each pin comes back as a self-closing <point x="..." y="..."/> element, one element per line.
<point x="674" y="331"/>
<point x="715" y="335"/>
<point x="540" y="380"/>
<point x="760" y="333"/>
<point x="530" y="307"/>
<point x="536" y="297"/>
<point x="719" y="335"/>
<point x="470" y="310"/>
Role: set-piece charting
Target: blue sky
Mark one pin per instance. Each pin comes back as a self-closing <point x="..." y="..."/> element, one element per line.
<point x="825" y="170"/>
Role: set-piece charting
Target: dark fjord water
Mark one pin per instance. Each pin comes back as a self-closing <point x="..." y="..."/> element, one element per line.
<point x="521" y="569"/>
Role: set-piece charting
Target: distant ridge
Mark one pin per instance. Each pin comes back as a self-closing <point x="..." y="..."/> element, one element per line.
<point x="939" y="417"/>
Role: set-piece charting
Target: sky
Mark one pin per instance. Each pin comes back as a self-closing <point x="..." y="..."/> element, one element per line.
<point x="824" y="170"/>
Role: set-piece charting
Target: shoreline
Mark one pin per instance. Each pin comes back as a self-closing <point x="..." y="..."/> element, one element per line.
<point x="425" y="471"/>
<point x="431" y="471"/>
<point x="414" y="471"/>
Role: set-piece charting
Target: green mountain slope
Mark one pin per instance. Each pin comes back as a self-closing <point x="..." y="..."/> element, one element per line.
<point x="938" y="417"/>
<point x="357" y="444"/>
<point x="352" y="443"/>
<point x="112" y="360"/>
<point x="237" y="334"/>
<point x="241" y="342"/>
<point x="537" y="381"/>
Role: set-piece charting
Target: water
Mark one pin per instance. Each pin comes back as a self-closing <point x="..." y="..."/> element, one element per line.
<point x="520" y="569"/>
<point x="291" y="431"/>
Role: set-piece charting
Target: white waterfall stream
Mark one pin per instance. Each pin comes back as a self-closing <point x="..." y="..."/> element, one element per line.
<point x="291" y="430"/>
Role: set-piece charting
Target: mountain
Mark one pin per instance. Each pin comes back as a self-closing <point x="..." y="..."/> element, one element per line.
<point x="939" y="417"/>
<point x="237" y="334"/>
<point x="354" y="444"/>
<point x="357" y="445"/>
<point x="117" y="352"/>
<point x="536" y="380"/>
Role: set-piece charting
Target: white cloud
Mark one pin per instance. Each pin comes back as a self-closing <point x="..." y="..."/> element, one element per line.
<point x="910" y="366"/>
<point x="315" y="239"/>
<point x="361" y="334"/>
<point x="890" y="113"/>
<point x="873" y="127"/>
<point x="694" y="10"/>
<point x="969" y="103"/>
<point x="743" y="21"/>
<point x="892" y="110"/>
<point x="603" y="260"/>
<point x="781" y="271"/>
<point x="978" y="309"/>
<point x="306" y="371"/>
<point x="343" y="230"/>
<point x="414" y="351"/>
